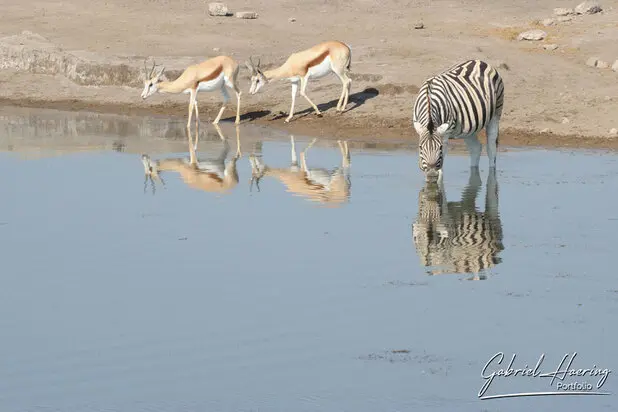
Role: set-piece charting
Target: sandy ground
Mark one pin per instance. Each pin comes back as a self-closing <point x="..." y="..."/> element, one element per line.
<point x="551" y="96"/>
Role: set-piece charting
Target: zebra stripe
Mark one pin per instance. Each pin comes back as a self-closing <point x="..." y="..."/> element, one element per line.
<point x="454" y="237"/>
<point x="465" y="99"/>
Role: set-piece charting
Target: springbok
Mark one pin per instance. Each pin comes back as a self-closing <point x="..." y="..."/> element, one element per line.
<point x="453" y="237"/>
<point x="313" y="63"/>
<point x="330" y="188"/>
<point x="218" y="73"/>
<point x="207" y="175"/>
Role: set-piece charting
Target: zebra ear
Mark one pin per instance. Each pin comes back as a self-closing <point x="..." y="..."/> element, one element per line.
<point x="418" y="128"/>
<point x="442" y="129"/>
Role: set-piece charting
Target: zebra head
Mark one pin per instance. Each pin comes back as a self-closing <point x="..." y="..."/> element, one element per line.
<point x="431" y="148"/>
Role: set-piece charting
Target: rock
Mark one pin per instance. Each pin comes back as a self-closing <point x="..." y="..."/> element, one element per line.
<point x="561" y="11"/>
<point x="602" y="64"/>
<point x="419" y="25"/>
<point x="550" y="46"/>
<point x="292" y="19"/>
<point x="218" y="9"/>
<point x="615" y="66"/>
<point x="588" y="7"/>
<point x="548" y="22"/>
<point x="613" y="132"/>
<point x="565" y="120"/>
<point x="246" y="15"/>
<point x="564" y="19"/>
<point x="592" y="62"/>
<point x="546" y="130"/>
<point x="532" y="35"/>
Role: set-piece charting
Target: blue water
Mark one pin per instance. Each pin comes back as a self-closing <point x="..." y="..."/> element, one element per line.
<point x="118" y="299"/>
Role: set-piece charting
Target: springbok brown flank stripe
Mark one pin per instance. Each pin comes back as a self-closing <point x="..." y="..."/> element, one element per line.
<point x="317" y="60"/>
<point x="212" y="75"/>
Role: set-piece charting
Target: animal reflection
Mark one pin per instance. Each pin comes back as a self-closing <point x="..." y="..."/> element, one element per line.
<point x="453" y="237"/>
<point x="210" y="175"/>
<point x="328" y="187"/>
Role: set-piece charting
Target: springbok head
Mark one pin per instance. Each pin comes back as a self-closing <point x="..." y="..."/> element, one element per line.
<point x="257" y="76"/>
<point x="151" y="79"/>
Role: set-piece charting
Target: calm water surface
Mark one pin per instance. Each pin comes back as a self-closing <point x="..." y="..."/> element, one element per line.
<point x="180" y="291"/>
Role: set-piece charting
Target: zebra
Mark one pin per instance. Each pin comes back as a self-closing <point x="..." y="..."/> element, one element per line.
<point x="453" y="237"/>
<point x="458" y="103"/>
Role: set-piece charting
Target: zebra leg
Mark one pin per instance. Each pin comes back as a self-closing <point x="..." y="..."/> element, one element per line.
<point x="474" y="148"/>
<point x="491" y="196"/>
<point x="492" y="140"/>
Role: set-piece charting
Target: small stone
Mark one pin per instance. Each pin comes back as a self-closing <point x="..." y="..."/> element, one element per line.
<point x="592" y="62"/>
<point x="615" y="66"/>
<point x="218" y="9"/>
<point x="602" y="64"/>
<point x="561" y="11"/>
<point x="565" y="120"/>
<point x="216" y="49"/>
<point x="550" y="46"/>
<point x="246" y="15"/>
<point x="613" y="132"/>
<point x="533" y="35"/>
<point x="292" y="19"/>
<point x="564" y="19"/>
<point x="548" y="22"/>
<point x="588" y="7"/>
<point x="503" y="65"/>
<point x="546" y="130"/>
<point x="419" y="25"/>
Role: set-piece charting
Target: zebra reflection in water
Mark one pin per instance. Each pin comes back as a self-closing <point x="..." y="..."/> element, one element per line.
<point x="454" y="237"/>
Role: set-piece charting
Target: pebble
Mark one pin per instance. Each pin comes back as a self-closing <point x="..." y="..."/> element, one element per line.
<point x="564" y="19"/>
<point x="218" y="9"/>
<point x="548" y="22"/>
<point x="565" y="120"/>
<point x="292" y="19"/>
<point x="550" y="46"/>
<point x="561" y="11"/>
<point x="613" y="132"/>
<point x="246" y="15"/>
<point x="588" y="7"/>
<point x="602" y="64"/>
<point x="419" y="25"/>
<point x="532" y="35"/>
<point x="615" y="66"/>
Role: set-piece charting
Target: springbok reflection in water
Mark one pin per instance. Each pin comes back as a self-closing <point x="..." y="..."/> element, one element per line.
<point x="453" y="237"/>
<point x="210" y="175"/>
<point x="328" y="187"/>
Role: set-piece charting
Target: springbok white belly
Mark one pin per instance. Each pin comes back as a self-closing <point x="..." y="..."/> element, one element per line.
<point x="211" y="85"/>
<point x="319" y="176"/>
<point x="321" y="69"/>
<point x="212" y="167"/>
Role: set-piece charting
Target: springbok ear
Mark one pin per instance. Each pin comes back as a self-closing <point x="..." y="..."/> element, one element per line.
<point x="442" y="129"/>
<point x="418" y="127"/>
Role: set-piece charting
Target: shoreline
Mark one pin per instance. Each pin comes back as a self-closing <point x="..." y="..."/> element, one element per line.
<point x="330" y="126"/>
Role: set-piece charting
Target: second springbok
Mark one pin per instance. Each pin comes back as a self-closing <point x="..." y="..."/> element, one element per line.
<point x="330" y="188"/>
<point x="218" y="73"/>
<point x="315" y="62"/>
<point x="207" y="175"/>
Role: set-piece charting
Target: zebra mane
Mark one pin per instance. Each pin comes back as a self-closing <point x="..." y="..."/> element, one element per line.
<point x="430" y="125"/>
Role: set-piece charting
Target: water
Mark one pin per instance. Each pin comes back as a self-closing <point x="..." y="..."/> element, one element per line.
<point x="118" y="297"/>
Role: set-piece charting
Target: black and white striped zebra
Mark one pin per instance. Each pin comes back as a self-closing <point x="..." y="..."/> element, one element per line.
<point x="458" y="103"/>
<point x="454" y="237"/>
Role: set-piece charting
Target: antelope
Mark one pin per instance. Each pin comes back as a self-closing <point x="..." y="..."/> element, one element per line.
<point x="316" y="62"/>
<point x="330" y="188"/>
<point x="218" y="73"/>
<point x="209" y="176"/>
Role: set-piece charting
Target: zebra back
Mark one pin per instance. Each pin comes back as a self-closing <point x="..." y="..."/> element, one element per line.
<point x="466" y="96"/>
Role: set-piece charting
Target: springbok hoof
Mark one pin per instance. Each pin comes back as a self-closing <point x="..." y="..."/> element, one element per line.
<point x="319" y="114"/>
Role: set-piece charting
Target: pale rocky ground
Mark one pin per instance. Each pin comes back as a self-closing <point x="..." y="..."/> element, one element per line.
<point x="553" y="91"/>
